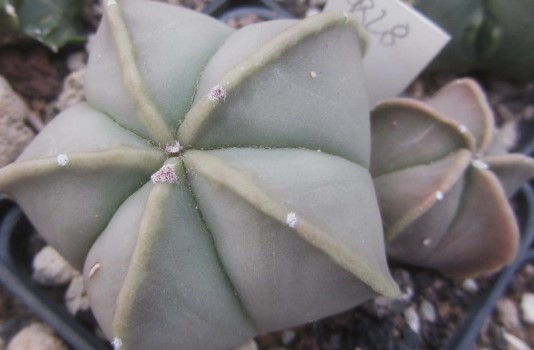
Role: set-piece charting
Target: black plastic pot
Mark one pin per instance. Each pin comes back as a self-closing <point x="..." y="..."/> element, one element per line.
<point x="226" y="10"/>
<point x="468" y="330"/>
<point x="15" y="260"/>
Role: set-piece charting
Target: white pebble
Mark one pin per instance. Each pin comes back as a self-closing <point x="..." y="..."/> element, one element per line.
<point x="412" y="319"/>
<point x="439" y="196"/>
<point x="470" y="285"/>
<point x="76" y="297"/>
<point x="428" y="312"/>
<point x="515" y="342"/>
<point x="36" y="336"/>
<point x="527" y="307"/>
<point x="51" y="269"/>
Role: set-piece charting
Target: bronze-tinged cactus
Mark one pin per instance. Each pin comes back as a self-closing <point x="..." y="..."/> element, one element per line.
<point x="443" y="181"/>
<point x="216" y="184"/>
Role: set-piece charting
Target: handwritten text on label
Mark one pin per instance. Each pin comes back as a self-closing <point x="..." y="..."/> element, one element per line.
<point x="373" y="19"/>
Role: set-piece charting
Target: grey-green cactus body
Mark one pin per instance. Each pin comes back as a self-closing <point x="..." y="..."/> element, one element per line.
<point x="215" y="184"/>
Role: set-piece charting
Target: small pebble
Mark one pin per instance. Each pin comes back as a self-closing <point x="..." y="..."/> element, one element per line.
<point x="76" y="297"/>
<point x="508" y="314"/>
<point x="427" y="311"/>
<point x="72" y="92"/>
<point x="515" y="343"/>
<point x="51" y="269"/>
<point x="470" y="285"/>
<point x="412" y="319"/>
<point x="36" y="336"/>
<point x="527" y="308"/>
<point x="76" y="61"/>
<point x="14" y="133"/>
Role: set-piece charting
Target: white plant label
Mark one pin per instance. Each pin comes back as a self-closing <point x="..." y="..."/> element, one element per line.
<point x="402" y="43"/>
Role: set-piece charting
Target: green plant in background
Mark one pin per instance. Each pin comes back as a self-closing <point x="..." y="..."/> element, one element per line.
<point x="495" y="36"/>
<point x="54" y="23"/>
<point x="443" y="181"/>
<point x="216" y="183"/>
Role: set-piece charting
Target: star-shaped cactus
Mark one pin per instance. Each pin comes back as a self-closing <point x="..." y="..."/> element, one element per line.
<point x="443" y="181"/>
<point x="216" y="184"/>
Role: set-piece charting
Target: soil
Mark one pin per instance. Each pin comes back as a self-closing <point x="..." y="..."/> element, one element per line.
<point x="409" y="323"/>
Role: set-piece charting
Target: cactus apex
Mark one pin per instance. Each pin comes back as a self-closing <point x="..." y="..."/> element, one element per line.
<point x="173" y="149"/>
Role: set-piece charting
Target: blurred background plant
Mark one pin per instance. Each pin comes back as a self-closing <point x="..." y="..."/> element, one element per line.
<point x="488" y="36"/>
<point x="54" y="23"/>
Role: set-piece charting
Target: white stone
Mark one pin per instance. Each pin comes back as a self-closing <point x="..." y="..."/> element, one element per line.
<point x="76" y="61"/>
<point x="36" y="336"/>
<point x="470" y="285"/>
<point x="439" y="196"/>
<point x="51" y="269"/>
<point x="72" y="91"/>
<point x="412" y="319"/>
<point x="427" y="311"/>
<point x="14" y="134"/>
<point x="508" y="314"/>
<point x="527" y="307"/>
<point x="515" y="342"/>
<point x="76" y="296"/>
